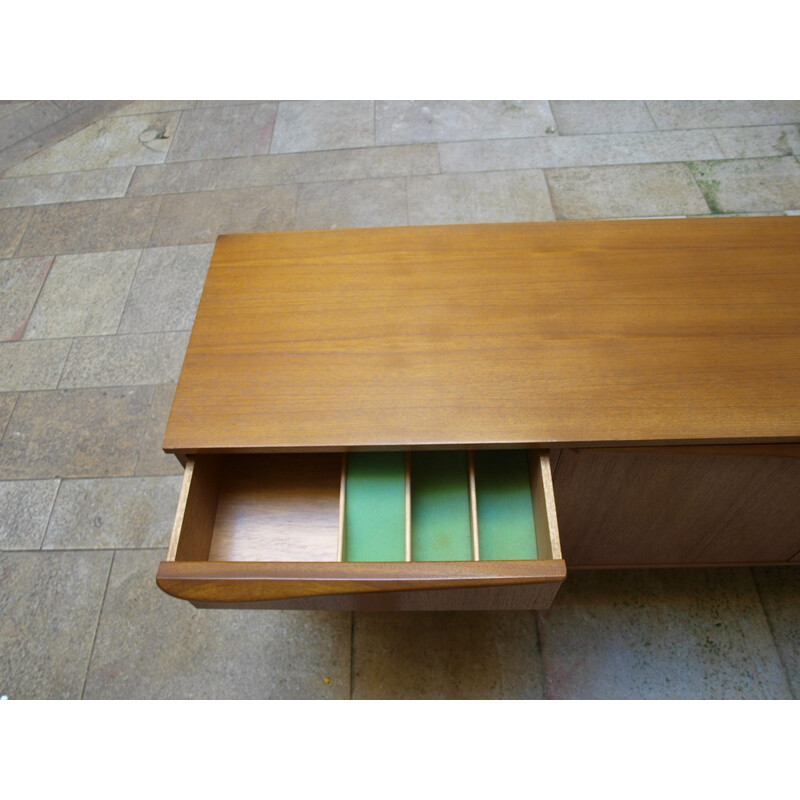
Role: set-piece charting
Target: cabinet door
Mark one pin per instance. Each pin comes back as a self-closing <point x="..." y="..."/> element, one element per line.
<point x="691" y="505"/>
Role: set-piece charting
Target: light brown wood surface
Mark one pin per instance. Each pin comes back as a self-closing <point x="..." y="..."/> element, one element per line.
<point x="517" y="597"/>
<point x="279" y="507"/>
<point x="254" y="582"/>
<point x="631" y="508"/>
<point x="660" y="331"/>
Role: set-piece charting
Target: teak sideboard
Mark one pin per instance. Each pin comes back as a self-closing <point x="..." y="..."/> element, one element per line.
<point x="453" y="416"/>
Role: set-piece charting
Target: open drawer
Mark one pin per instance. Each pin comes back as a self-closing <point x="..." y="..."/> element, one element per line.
<point x="366" y="530"/>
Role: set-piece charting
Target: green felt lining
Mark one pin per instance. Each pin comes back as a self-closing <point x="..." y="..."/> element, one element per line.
<point x="505" y="506"/>
<point x="375" y="507"/>
<point x="440" y="507"/>
<point x="440" y="516"/>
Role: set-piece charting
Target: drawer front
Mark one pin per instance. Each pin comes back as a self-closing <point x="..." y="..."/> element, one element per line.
<point x="428" y="530"/>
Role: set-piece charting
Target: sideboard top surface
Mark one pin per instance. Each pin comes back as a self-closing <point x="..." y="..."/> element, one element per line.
<point x="658" y="331"/>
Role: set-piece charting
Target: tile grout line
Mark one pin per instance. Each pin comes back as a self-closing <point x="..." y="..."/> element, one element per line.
<point x="143" y="428"/>
<point x="722" y="150"/>
<point x="274" y="125"/>
<point x="130" y="287"/>
<point x="15" y="254"/>
<point x="87" y="387"/>
<point x="700" y="189"/>
<point x="561" y="136"/>
<point x="130" y="181"/>
<point x="63" y="366"/>
<point x="555" y="118"/>
<point x="38" y="295"/>
<point x="10" y="416"/>
<point x="550" y="194"/>
<point x="156" y="217"/>
<point x="174" y="135"/>
<point x="115" y="548"/>
<point x="50" y="514"/>
<point x="352" y="654"/>
<point x="540" y="650"/>
<point x="97" y="625"/>
<point x="771" y="632"/>
<point x="490" y="169"/>
<point x="650" y="114"/>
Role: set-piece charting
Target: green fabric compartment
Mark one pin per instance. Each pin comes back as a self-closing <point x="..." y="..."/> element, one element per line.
<point x="375" y="507"/>
<point x="505" y="506"/>
<point x="440" y="523"/>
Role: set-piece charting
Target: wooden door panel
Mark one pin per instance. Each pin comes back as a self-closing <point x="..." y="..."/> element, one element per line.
<point x="629" y="508"/>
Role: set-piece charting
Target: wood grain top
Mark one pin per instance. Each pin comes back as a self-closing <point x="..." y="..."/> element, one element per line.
<point x="556" y="333"/>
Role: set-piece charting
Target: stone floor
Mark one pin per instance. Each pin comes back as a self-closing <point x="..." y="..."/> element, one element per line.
<point x="108" y="215"/>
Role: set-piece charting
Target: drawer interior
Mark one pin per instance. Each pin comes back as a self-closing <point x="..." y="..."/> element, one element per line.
<point x="376" y="506"/>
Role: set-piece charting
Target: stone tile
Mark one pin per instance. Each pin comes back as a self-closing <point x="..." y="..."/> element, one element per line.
<point x="49" y="607"/>
<point x="84" y="295"/>
<point x="17" y="152"/>
<point x="71" y="106"/>
<point x="87" y="113"/>
<point x="311" y="167"/>
<point x="138" y="107"/>
<point x="722" y="113"/>
<point x="755" y="142"/>
<point x="7" y="403"/>
<point x="13" y="224"/>
<point x="765" y="184"/>
<point x="779" y="590"/>
<point x="25" y="508"/>
<point x="671" y="634"/>
<point x="331" y="165"/>
<point x="75" y="433"/>
<point x="129" y="360"/>
<point x="166" y="289"/>
<point x="109" y="142"/>
<point x="647" y="190"/>
<point x="601" y="116"/>
<point x="352" y="204"/>
<point x="21" y="280"/>
<point x="27" y="121"/>
<point x="64" y="187"/>
<point x="223" y="131"/>
<point x="578" y="151"/>
<point x="323" y="125"/>
<point x="98" y="513"/>
<point x="408" y="122"/>
<point x="446" y="655"/>
<point x="152" y="459"/>
<point x="216" y="103"/>
<point x="90" y="226"/>
<point x="479" y="197"/>
<point x="202" y="216"/>
<point x="32" y="365"/>
<point x="178" y="177"/>
<point x="8" y="107"/>
<point x="151" y="645"/>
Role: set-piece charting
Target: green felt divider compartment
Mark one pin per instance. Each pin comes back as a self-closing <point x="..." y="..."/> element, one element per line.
<point x="506" y="528"/>
<point x="440" y="506"/>
<point x="441" y="525"/>
<point x="375" y="507"/>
